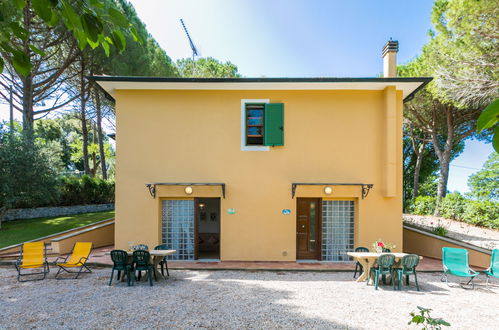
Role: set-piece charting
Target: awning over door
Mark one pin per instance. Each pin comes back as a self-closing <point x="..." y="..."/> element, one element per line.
<point x="152" y="186"/>
<point x="366" y="187"/>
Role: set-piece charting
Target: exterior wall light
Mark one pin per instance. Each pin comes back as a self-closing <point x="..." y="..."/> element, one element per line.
<point x="328" y="190"/>
<point x="188" y="190"/>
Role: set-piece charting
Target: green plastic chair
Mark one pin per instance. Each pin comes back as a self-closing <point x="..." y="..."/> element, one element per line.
<point x="493" y="269"/>
<point x="408" y="265"/>
<point x="385" y="267"/>
<point x="455" y="262"/>
<point x="358" y="265"/>
<point x="120" y="263"/>
<point x="164" y="262"/>
<point x="141" y="262"/>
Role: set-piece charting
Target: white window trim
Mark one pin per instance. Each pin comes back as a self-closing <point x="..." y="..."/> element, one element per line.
<point x="244" y="147"/>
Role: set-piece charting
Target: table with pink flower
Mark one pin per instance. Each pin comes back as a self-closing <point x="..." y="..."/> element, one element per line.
<point x="368" y="259"/>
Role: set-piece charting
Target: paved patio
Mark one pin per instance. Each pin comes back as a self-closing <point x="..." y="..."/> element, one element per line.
<point x="234" y="299"/>
<point x="99" y="257"/>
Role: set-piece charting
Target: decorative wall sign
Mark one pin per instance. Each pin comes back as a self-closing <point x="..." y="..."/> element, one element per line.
<point x="286" y="211"/>
<point x="231" y="211"/>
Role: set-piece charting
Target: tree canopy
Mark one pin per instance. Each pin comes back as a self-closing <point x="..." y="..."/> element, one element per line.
<point x="484" y="184"/>
<point x="92" y="23"/>
<point x="206" y="68"/>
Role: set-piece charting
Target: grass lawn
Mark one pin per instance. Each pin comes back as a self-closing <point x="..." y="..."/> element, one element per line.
<point x="18" y="231"/>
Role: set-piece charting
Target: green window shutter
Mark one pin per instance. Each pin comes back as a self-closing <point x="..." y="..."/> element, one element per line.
<point x="274" y="124"/>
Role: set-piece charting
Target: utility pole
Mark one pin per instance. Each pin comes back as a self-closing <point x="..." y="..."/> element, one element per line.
<point x="191" y="43"/>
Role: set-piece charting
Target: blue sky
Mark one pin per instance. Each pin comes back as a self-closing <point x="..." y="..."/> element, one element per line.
<point x="300" y="38"/>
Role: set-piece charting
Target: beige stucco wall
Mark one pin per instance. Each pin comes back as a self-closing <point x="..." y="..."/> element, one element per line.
<point x="429" y="246"/>
<point x="194" y="136"/>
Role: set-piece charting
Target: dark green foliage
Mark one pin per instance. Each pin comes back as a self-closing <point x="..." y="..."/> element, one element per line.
<point x="85" y="190"/>
<point x="26" y="178"/>
<point x="90" y="22"/>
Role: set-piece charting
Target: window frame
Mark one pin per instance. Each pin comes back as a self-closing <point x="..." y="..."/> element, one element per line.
<point x="244" y="146"/>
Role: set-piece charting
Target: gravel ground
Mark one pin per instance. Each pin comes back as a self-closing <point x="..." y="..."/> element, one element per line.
<point x="244" y="299"/>
<point x="479" y="236"/>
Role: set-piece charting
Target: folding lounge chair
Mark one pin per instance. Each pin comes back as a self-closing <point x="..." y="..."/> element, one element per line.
<point x="493" y="269"/>
<point x="455" y="262"/>
<point x="77" y="259"/>
<point x="33" y="255"/>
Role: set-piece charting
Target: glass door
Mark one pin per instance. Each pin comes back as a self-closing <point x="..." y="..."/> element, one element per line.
<point x="178" y="228"/>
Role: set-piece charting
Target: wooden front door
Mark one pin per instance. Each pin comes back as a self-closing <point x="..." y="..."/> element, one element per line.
<point x="308" y="225"/>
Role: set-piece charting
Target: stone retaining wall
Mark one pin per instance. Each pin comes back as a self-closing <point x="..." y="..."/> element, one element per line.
<point x="42" y="212"/>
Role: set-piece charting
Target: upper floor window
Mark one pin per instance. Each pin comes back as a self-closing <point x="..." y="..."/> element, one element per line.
<point x="262" y="125"/>
<point x="254" y="124"/>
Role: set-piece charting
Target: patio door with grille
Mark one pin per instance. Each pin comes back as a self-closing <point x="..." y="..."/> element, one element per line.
<point x="178" y="228"/>
<point x="337" y="230"/>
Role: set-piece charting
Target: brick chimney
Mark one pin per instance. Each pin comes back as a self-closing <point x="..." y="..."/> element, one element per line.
<point x="390" y="58"/>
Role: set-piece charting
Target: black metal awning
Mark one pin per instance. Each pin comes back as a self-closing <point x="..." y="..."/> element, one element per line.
<point x="152" y="186"/>
<point x="366" y="187"/>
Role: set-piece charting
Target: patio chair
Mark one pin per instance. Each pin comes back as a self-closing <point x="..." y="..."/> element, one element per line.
<point x="120" y="263"/>
<point x="493" y="269"/>
<point x="33" y="255"/>
<point x="357" y="264"/>
<point x="455" y="262"/>
<point x="142" y="262"/>
<point x="77" y="259"/>
<point x="164" y="262"/>
<point x="408" y="265"/>
<point x="384" y="267"/>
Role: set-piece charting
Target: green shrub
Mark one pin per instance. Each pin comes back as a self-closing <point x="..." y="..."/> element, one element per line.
<point x="423" y="205"/>
<point x="482" y="213"/>
<point x="453" y="206"/>
<point x="85" y="190"/>
<point x="26" y="179"/>
<point x="440" y="231"/>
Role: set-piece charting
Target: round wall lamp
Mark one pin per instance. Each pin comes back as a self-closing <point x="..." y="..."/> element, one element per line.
<point x="328" y="190"/>
<point x="188" y="190"/>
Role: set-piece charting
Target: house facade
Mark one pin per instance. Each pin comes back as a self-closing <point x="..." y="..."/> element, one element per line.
<point x="261" y="169"/>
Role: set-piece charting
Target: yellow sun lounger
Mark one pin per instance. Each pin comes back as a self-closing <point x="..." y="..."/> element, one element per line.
<point x="77" y="259"/>
<point x="33" y="255"/>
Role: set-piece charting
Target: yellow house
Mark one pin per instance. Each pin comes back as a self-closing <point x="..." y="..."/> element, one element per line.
<point x="261" y="169"/>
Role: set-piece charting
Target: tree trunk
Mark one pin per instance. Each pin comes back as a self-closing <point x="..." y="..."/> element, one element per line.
<point x="27" y="82"/>
<point x="444" y="156"/>
<point x="95" y="164"/>
<point x="417" y="169"/>
<point x="84" y="128"/>
<point x="100" y="135"/>
<point x="3" y="211"/>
